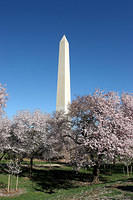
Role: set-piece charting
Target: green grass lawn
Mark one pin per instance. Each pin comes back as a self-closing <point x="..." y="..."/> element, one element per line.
<point x="62" y="183"/>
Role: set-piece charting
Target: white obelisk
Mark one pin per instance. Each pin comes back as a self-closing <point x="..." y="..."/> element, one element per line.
<point x="63" y="85"/>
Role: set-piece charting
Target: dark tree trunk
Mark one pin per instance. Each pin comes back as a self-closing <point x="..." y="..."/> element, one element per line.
<point x="110" y="169"/>
<point x="96" y="172"/>
<point x="124" y="170"/>
<point x="104" y="166"/>
<point x="31" y="166"/>
<point x="127" y="170"/>
<point x="131" y="170"/>
<point x="2" y="156"/>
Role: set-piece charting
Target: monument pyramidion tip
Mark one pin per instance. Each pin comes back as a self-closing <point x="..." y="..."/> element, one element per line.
<point x="64" y="38"/>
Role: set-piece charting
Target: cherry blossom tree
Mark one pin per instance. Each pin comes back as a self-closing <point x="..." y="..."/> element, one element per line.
<point x="127" y="104"/>
<point x="4" y="122"/>
<point x="99" y="129"/>
<point x="14" y="168"/>
<point x="5" y="128"/>
<point x="29" y="134"/>
<point x="3" y="98"/>
<point x="127" y="108"/>
<point x="58" y="127"/>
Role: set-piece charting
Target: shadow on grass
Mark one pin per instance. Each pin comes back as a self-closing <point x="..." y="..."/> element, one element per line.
<point x="127" y="188"/>
<point x="124" y="179"/>
<point x="50" y="180"/>
<point x="110" y="169"/>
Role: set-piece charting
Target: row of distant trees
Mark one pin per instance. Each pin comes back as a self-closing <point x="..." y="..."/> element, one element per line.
<point x="98" y="129"/>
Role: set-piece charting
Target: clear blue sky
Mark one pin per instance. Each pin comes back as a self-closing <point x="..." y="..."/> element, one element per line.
<point x="100" y="34"/>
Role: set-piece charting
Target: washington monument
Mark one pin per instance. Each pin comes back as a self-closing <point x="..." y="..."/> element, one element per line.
<point x="63" y="83"/>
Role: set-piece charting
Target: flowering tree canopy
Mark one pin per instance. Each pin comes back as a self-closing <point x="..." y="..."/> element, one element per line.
<point x="127" y="108"/>
<point x="3" y="98"/>
<point x="5" y="128"/>
<point x="99" y="128"/>
<point x="127" y="103"/>
<point x="29" y="132"/>
<point x="29" y="137"/>
<point x="57" y="128"/>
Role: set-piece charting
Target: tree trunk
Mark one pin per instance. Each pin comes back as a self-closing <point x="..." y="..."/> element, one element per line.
<point x="124" y="170"/>
<point x="110" y="169"/>
<point x="127" y="170"/>
<point x="50" y="164"/>
<point x="31" y="165"/>
<point x="131" y="170"/>
<point x="2" y="156"/>
<point x="104" y="166"/>
<point x="9" y="179"/>
<point x="96" y="172"/>
<point x="17" y="183"/>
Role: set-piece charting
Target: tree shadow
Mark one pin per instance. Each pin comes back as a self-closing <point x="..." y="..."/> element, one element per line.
<point x="107" y="180"/>
<point x="130" y="179"/>
<point x="127" y="188"/>
<point x="109" y="169"/>
<point x="52" y="179"/>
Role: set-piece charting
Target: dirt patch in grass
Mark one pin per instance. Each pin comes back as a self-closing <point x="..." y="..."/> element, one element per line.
<point x="119" y="191"/>
<point x="4" y="193"/>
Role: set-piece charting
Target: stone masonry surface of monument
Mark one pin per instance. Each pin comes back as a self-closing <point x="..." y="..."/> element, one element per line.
<point x="63" y="83"/>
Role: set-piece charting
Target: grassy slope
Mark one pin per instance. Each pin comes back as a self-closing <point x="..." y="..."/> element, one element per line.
<point x="61" y="183"/>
